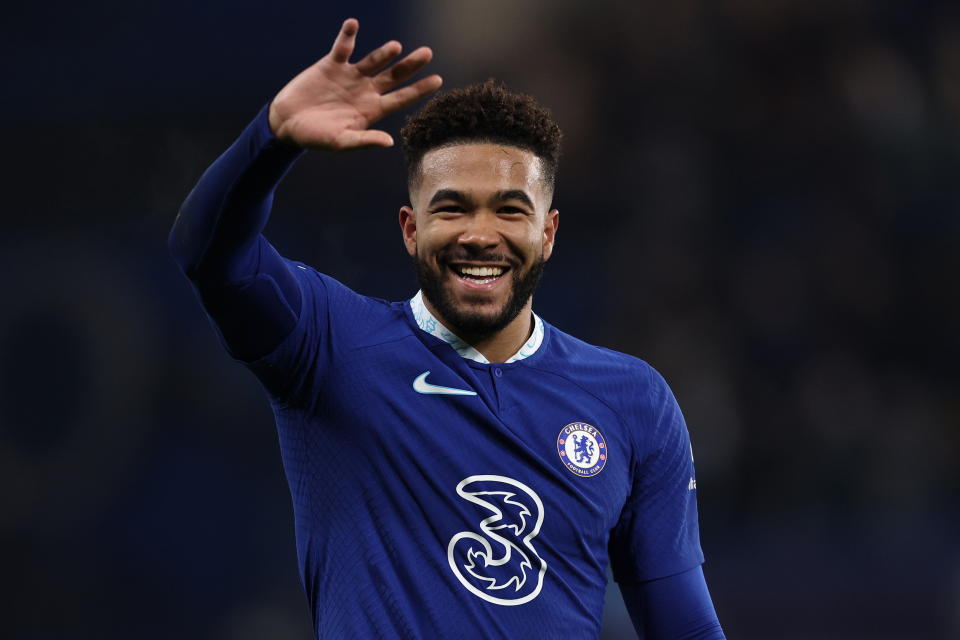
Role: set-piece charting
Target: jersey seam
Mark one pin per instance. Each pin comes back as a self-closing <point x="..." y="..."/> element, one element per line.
<point x="642" y="581"/>
<point x="379" y="344"/>
<point x="616" y="412"/>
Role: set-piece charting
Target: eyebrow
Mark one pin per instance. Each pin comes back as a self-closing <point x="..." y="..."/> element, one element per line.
<point x="499" y="196"/>
<point x="515" y="194"/>
<point x="449" y="194"/>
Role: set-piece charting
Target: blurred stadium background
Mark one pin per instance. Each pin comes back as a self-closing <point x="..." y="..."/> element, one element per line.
<point x="759" y="197"/>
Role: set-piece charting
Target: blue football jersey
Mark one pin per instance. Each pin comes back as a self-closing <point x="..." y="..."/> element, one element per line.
<point x="436" y="496"/>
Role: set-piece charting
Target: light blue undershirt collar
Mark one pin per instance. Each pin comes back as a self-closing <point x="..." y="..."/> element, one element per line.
<point x="434" y="327"/>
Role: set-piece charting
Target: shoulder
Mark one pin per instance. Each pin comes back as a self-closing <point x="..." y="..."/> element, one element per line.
<point x="348" y="315"/>
<point x="623" y="381"/>
<point x="600" y="364"/>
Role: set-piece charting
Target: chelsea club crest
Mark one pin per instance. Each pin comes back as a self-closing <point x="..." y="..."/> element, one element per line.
<point x="582" y="449"/>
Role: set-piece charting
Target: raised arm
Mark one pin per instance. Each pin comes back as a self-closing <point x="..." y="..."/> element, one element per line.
<point x="216" y="239"/>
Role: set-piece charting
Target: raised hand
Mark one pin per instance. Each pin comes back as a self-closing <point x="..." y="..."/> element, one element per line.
<point x="331" y="103"/>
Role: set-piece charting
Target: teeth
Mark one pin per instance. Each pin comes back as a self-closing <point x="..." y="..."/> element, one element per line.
<point x="481" y="271"/>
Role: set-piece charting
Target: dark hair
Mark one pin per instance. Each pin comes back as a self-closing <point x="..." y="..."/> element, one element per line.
<point x="485" y="112"/>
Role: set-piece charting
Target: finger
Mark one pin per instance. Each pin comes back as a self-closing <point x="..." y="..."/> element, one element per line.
<point x="379" y="58"/>
<point x="352" y="139"/>
<point x="346" y="39"/>
<point x="403" y="70"/>
<point x="406" y="96"/>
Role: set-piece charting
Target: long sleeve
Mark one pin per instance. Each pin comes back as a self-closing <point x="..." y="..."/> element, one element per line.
<point x="673" y="608"/>
<point x="243" y="282"/>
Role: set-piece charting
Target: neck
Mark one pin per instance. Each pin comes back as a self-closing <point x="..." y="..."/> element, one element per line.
<point x="499" y="346"/>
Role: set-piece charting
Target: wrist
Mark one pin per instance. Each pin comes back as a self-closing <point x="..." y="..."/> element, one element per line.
<point x="275" y="128"/>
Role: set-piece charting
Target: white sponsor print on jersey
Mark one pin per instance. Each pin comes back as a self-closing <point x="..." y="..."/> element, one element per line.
<point x="508" y="572"/>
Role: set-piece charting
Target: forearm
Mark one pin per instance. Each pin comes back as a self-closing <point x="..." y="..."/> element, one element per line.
<point x="677" y="607"/>
<point x="215" y="234"/>
<point x="216" y="240"/>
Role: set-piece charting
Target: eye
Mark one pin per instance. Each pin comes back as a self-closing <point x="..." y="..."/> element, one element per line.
<point x="509" y="209"/>
<point x="449" y="208"/>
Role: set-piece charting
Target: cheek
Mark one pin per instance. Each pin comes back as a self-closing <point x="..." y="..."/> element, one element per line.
<point x="531" y="240"/>
<point x="431" y="240"/>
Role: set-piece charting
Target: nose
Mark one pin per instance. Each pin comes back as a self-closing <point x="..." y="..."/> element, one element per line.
<point x="481" y="231"/>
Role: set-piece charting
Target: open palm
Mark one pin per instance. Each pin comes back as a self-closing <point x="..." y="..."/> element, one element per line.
<point x="331" y="104"/>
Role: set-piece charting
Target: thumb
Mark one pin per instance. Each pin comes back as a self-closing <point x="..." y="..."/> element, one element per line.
<point x="367" y="138"/>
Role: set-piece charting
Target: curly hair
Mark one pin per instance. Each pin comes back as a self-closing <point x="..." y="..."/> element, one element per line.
<point x="485" y="112"/>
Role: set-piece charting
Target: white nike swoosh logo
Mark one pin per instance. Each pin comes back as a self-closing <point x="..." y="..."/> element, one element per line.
<point x="420" y="385"/>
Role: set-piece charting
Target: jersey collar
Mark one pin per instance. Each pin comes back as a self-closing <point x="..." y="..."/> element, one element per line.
<point x="427" y="322"/>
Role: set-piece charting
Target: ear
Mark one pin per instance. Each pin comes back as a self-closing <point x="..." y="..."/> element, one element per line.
<point x="408" y="227"/>
<point x="550" y="226"/>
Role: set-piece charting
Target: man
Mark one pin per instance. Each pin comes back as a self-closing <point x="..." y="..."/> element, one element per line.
<point x="490" y="466"/>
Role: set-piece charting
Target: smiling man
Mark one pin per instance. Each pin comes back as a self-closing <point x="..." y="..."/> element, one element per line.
<point x="497" y="466"/>
<point x="481" y="168"/>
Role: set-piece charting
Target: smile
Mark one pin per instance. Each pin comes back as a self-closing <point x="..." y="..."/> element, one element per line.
<point x="479" y="276"/>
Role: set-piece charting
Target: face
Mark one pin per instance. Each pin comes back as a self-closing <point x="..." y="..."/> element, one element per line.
<point x="479" y="230"/>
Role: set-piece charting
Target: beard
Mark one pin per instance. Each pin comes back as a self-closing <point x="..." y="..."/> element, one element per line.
<point x="471" y="323"/>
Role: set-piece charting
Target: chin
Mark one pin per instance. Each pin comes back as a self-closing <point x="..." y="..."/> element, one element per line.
<point x="477" y="315"/>
<point x="475" y="318"/>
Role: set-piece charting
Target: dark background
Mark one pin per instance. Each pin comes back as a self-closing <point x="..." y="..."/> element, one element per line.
<point x="759" y="197"/>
